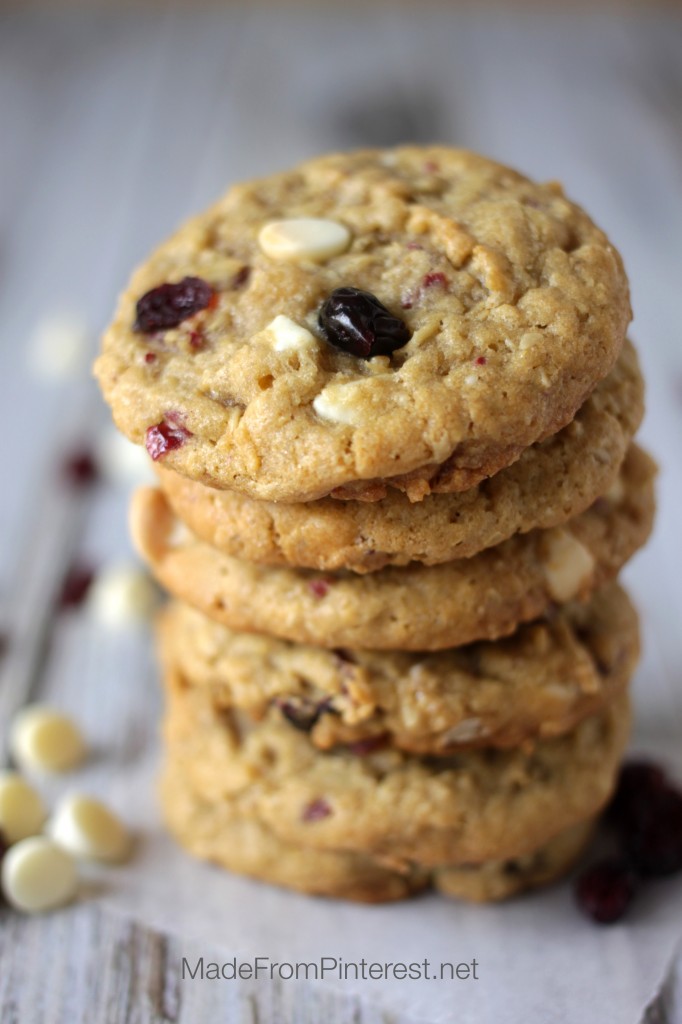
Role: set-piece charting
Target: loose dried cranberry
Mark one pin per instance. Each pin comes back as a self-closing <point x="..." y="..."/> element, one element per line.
<point x="605" y="891"/>
<point x="165" y="437"/>
<point x="316" y="810"/>
<point x="654" y="841"/>
<point x="319" y="587"/>
<point x="169" y="304"/>
<point x="429" y="280"/>
<point x="302" y="712"/>
<point x="80" y="469"/>
<point x="75" y="586"/>
<point x="356" y="322"/>
<point x="639" y="783"/>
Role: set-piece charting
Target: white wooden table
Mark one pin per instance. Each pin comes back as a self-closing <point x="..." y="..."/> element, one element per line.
<point x="115" y="126"/>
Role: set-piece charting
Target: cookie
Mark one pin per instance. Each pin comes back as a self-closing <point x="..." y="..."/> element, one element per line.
<point x="209" y="830"/>
<point x="415" y="608"/>
<point x="550" y="483"/>
<point x="541" y="681"/>
<point x="469" y="808"/>
<point x="411" y="318"/>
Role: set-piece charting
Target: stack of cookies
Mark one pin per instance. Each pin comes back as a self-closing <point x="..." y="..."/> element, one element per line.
<point x="391" y="404"/>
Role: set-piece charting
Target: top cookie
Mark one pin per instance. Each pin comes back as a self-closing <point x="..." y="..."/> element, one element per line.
<point x="411" y="318"/>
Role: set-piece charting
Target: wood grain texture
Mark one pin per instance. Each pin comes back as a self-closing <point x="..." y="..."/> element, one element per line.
<point x="119" y="127"/>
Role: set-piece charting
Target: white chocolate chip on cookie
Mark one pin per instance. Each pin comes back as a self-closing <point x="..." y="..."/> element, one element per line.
<point x="22" y="811"/>
<point x="44" y="740"/>
<point x="304" y="238"/>
<point x="569" y="566"/>
<point x="290" y="336"/>
<point x="87" y="828"/>
<point x="37" y="875"/>
<point x="338" y="403"/>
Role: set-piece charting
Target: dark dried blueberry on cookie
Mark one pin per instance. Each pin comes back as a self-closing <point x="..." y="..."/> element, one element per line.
<point x="356" y="322"/>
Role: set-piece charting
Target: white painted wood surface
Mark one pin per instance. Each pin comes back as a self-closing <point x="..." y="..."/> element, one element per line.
<point x="112" y="128"/>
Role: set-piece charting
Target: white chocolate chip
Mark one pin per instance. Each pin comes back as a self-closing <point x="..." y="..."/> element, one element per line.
<point x="44" y="740"/>
<point x="22" y="811"/>
<point x="87" y="828"/>
<point x="616" y="491"/>
<point x="122" y="594"/>
<point x="304" y="238"/>
<point x="58" y="346"/>
<point x="37" y="875"/>
<point x="123" y="462"/>
<point x="288" y="335"/>
<point x="569" y="566"/>
<point x="338" y="403"/>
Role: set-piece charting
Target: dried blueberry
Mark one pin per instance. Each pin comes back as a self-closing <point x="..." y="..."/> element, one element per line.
<point x="356" y="322"/>
<point x="169" y="304"/>
<point x="605" y="891"/>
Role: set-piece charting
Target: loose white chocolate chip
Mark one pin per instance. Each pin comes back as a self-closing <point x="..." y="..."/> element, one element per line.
<point x="22" y="811"/>
<point x="37" y="875"/>
<point x="288" y="335"/>
<point x="44" y="740"/>
<point x="304" y="238"/>
<point x="338" y="403"/>
<point x="86" y="828"/>
<point x="122" y="594"/>
<point x="569" y="566"/>
<point x="58" y="346"/>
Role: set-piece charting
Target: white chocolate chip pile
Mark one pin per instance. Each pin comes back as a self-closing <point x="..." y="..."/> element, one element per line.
<point x="40" y="872"/>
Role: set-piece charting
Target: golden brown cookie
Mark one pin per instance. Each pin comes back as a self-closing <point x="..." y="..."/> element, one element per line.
<point x="550" y="483"/>
<point x="209" y="830"/>
<point x="466" y="809"/>
<point x="416" y="608"/>
<point x="243" y="356"/>
<point x="542" y="681"/>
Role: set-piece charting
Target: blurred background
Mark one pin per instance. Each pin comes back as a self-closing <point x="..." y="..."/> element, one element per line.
<point x="117" y="120"/>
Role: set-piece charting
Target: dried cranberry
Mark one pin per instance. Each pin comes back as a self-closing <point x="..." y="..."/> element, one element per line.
<point x="80" y="469"/>
<point x="605" y="891"/>
<point x="480" y="361"/>
<point x="356" y="322"/>
<point x="150" y="357"/>
<point x="169" y="304"/>
<point x="302" y="712"/>
<point x="75" y="586"/>
<point x="319" y="587"/>
<point x="165" y="437"/>
<point x="367" y="746"/>
<point x="430" y="280"/>
<point x="639" y="783"/>
<point x="241" y="277"/>
<point x="653" y="841"/>
<point x="316" y="810"/>
<point x="197" y="341"/>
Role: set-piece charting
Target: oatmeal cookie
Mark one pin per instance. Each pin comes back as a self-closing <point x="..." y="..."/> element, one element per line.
<point x="411" y="318"/>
